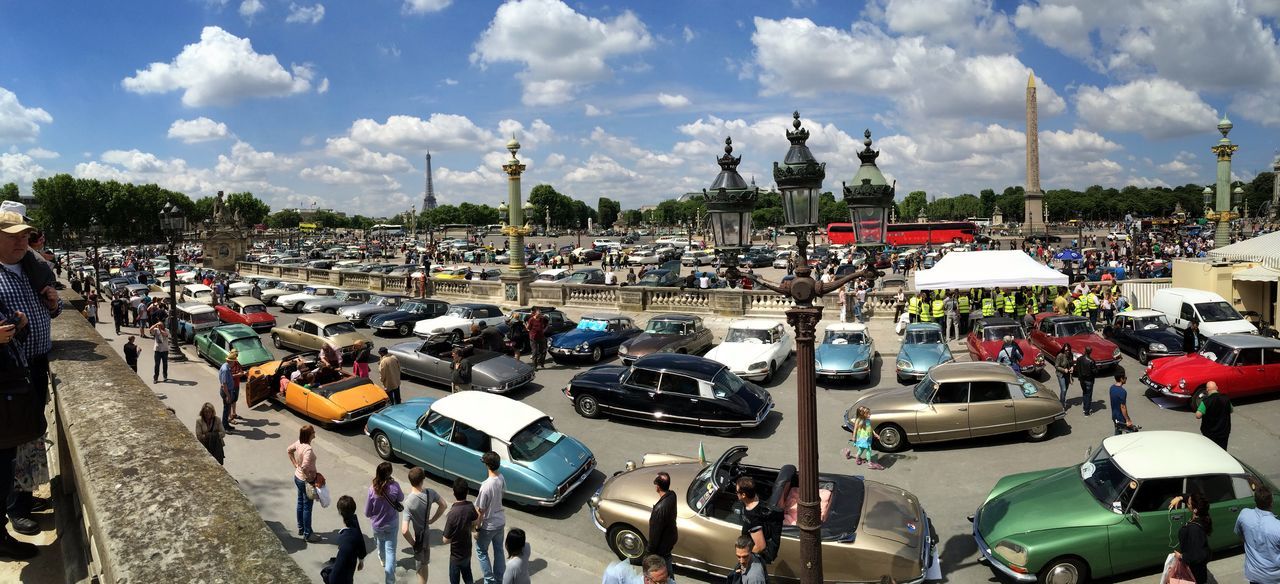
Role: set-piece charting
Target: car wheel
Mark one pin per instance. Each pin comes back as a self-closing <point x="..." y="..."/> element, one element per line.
<point x="1064" y="571"/>
<point x="403" y="330"/>
<point x="330" y="311"/>
<point x="1143" y="357"/>
<point x="587" y="406"/>
<point x="626" y="541"/>
<point x="891" y="438"/>
<point x="727" y="432"/>
<point x="773" y="368"/>
<point x="1197" y="398"/>
<point x="596" y="355"/>
<point x="1038" y="433"/>
<point x="382" y="445"/>
<point x="275" y="341"/>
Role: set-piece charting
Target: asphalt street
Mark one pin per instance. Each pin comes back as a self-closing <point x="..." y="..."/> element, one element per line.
<point x="950" y="479"/>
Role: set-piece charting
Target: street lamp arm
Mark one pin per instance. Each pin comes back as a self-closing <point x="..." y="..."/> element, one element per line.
<point x="869" y="274"/>
<point x="783" y="288"/>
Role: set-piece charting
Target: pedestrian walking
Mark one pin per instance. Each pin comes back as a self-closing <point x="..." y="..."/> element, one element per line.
<point x="1010" y="355"/>
<point x="860" y="442"/>
<point x="1259" y="529"/>
<point x="663" y="532"/>
<point x="1065" y="364"/>
<point x="119" y="311"/>
<point x="143" y="318"/>
<point x="229" y="377"/>
<point x="844" y="300"/>
<point x="517" y="338"/>
<point x="457" y="533"/>
<point x="1214" y="413"/>
<point x="951" y="309"/>
<point x="210" y="433"/>
<point x="383" y="506"/>
<point x="1086" y="369"/>
<point x="91" y="312"/>
<point x="131" y="352"/>
<point x="750" y="569"/>
<point x="360" y="359"/>
<point x="160" y="352"/>
<point x="389" y="371"/>
<point x="492" y="520"/>
<point x="1193" y="536"/>
<point x="1120" y="406"/>
<point x="303" y="457"/>
<point x="518" y="551"/>
<point x="417" y="520"/>
<point x="351" y="545"/>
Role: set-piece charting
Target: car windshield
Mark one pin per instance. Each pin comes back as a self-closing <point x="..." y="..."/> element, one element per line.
<point x="204" y="317"/>
<point x="247" y="344"/>
<point x="1104" y="479"/>
<point x="1217" y="312"/>
<point x="845" y="338"/>
<point x="414" y="307"/>
<point x="923" y="337"/>
<point x="996" y="333"/>
<point x="746" y="335"/>
<point x="1073" y="328"/>
<point x="924" y="389"/>
<point x="726" y="384"/>
<point x="339" y="328"/>
<point x="342" y="295"/>
<point x="653" y="277"/>
<point x="385" y="301"/>
<point x="702" y="489"/>
<point x="593" y="324"/>
<point x="1151" y="323"/>
<point x="534" y="441"/>
<point x="459" y="311"/>
<point x="253" y="309"/>
<point x="665" y="327"/>
<point x="1218" y="352"/>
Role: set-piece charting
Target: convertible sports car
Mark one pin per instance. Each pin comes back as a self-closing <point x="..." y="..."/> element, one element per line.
<point x="670" y="388"/>
<point x="846" y="352"/>
<point x="339" y="399"/>
<point x="432" y="360"/>
<point x="960" y="400"/>
<point x="214" y="344"/>
<point x="869" y="529"/>
<point x="401" y="321"/>
<point x="1248" y="364"/>
<point x="447" y="436"/>
<point x="1052" y="331"/>
<point x="1146" y="334"/>
<point x="246" y="310"/>
<point x="376" y="305"/>
<point x="340" y="299"/>
<point x="667" y="333"/>
<point x="294" y="302"/>
<point x="1110" y="515"/>
<point x="922" y="350"/>
<point x="754" y="348"/>
<point x="458" y="319"/>
<point x="595" y="336"/>
<point x="987" y="337"/>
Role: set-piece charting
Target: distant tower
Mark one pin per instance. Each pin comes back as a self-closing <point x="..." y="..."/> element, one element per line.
<point x="429" y="198"/>
<point x="1033" y="205"/>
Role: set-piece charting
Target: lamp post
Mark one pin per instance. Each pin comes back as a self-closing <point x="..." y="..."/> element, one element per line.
<point x="1208" y="201"/>
<point x="730" y="203"/>
<point x="173" y="223"/>
<point x="1224" y="150"/>
<point x="515" y="231"/>
<point x="95" y="231"/>
<point x="869" y="199"/>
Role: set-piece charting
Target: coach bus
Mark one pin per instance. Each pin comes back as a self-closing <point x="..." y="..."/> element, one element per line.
<point x="901" y="234"/>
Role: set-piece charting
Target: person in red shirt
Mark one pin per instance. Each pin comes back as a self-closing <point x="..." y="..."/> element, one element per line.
<point x="537" y="326"/>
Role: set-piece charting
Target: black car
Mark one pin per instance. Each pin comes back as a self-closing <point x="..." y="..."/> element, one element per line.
<point x="1145" y="334"/>
<point x="660" y="278"/>
<point x="400" y="323"/>
<point x="671" y="388"/>
<point x="756" y="260"/>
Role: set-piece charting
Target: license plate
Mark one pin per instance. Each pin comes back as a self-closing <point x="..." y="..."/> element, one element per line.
<point x="559" y="351"/>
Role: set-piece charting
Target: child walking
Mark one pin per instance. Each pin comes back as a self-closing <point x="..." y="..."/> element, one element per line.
<point x="861" y="441"/>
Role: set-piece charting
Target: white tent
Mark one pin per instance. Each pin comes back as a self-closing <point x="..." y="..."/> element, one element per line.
<point x="1263" y="248"/>
<point x="988" y="269"/>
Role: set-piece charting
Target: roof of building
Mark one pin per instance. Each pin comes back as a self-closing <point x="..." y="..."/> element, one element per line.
<point x="1264" y="249"/>
<point x="500" y="417"/>
<point x="1157" y="454"/>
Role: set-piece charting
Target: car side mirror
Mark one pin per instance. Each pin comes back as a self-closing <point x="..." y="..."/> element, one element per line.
<point x="1133" y="518"/>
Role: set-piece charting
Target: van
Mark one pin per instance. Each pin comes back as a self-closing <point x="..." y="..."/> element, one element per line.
<point x="1216" y="315"/>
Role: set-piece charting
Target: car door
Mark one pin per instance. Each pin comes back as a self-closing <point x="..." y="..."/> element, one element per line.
<point x="1149" y="531"/>
<point x="678" y="399"/>
<point x="309" y="336"/>
<point x="217" y="348"/>
<point x="1249" y="372"/>
<point x="435" y="360"/>
<point x="463" y="452"/>
<point x="637" y="395"/>
<point x="428" y="443"/>
<point x="1121" y="333"/>
<point x="494" y="316"/>
<point x="991" y="408"/>
<point x="947" y="417"/>
<point x="702" y="339"/>
<point x="1271" y="369"/>
<point x="1226" y="495"/>
<point x="974" y="342"/>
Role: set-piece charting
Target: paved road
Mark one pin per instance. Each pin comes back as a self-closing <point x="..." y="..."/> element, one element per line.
<point x="950" y="480"/>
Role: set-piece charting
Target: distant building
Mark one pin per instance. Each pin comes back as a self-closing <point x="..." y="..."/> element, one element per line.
<point x="308" y="213"/>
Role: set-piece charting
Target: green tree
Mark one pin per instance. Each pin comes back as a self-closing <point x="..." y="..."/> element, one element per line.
<point x="1258" y="192"/>
<point x="911" y="206"/>
<point x="202" y="210"/>
<point x="608" y="210"/>
<point x="633" y="217"/>
<point x="251" y="209"/>
<point x="768" y="217"/>
<point x="9" y="192"/>
<point x="546" y="198"/>
<point x="284" y="219"/>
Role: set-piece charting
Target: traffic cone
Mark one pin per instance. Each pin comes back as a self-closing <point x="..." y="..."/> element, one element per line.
<point x="702" y="453"/>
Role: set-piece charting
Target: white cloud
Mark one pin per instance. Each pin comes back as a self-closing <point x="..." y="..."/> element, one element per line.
<point x="1059" y="26"/>
<point x="324" y="86"/>
<point x="537" y="133"/>
<point x="301" y="14"/>
<point x="248" y="164"/>
<point x="962" y="23"/>
<point x="450" y="81"/>
<point x="688" y="34"/>
<point x="19" y="123"/>
<point x="251" y="8"/>
<point x="424" y="6"/>
<point x="672" y="101"/>
<point x="1156" y="108"/>
<point x="599" y="170"/>
<point x="201" y="129"/>
<point x="554" y="160"/>
<point x="19" y="168"/>
<point x="41" y="153"/>
<point x="560" y="49"/>
<point x="439" y="132"/>
<point x="592" y="111"/>
<point x="336" y="176"/>
<point x="220" y="69"/>
<point x="361" y="159"/>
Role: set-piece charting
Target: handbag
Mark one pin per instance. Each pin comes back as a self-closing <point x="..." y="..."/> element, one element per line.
<point x="312" y="494"/>
<point x="394" y="504"/>
<point x="1176" y="571"/>
<point x="322" y="496"/>
<point x="327" y="569"/>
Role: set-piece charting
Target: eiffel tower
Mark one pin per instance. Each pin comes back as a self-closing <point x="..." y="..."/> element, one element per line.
<point x="429" y="198"/>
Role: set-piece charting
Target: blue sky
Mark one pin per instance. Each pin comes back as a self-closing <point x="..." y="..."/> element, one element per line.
<point x="336" y="102"/>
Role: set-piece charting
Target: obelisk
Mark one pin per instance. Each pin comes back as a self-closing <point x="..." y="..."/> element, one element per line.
<point x="1033" y="202"/>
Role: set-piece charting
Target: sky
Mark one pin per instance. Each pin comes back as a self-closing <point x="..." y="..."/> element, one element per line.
<point x="335" y="103"/>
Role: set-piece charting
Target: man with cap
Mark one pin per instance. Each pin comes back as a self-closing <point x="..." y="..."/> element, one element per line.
<point x="229" y="387"/>
<point x="389" y="371"/>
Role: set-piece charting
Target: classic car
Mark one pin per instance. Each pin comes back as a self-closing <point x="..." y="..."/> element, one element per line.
<point x="782" y="259"/>
<point x="1110" y="515"/>
<point x="660" y="278"/>
<point x="248" y="311"/>
<point x="458" y="319"/>
<point x="586" y="276"/>
<point x="555" y="276"/>
<point x="335" y="398"/>
<point x="1145" y="334"/>
<point x="269" y="295"/>
<point x="194" y="318"/>
<point x="1241" y="365"/>
<point x="557" y="322"/>
<point x="235" y="289"/>
<point x="756" y="260"/>
<point x="311" y="331"/>
<point x="340" y="299"/>
<point x="670" y="388"/>
<point x="754" y="348"/>
<point x="453" y="273"/>
<point x="193" y="293"/>
<point x="595" y="336"/>
<point x="869" y="529"/>
<point x="696" y="258"/>
<point x="214" y="344"/>
<point x="922" y="350"/>
<point x="447" y="437"/>
<point x="409" y="313"/>
<point x="376" y="304"/>
<point x="294" y="302"/>
<point x="955" y="401"/>
<point x="986" y="338"/>
<point x="642" y="257"/>
<point x="846" y="352"/>
<point x="1052" y="331"/>
<point x="668" y="333"/>
<point x="432" y="360"/>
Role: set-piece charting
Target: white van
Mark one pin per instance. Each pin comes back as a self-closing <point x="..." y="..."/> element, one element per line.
<point x="1216" y="315"/>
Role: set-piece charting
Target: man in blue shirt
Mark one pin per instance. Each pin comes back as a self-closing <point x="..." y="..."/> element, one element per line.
<point x="1260" y="531"/>
<point x="1119" y="406"/>
<point x="229" y="382"/>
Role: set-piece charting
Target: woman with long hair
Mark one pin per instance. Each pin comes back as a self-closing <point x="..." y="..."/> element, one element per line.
<point x="303" y="457"/>
<point x="1193" y="538"/>
<point x="1065" y="363"/>
<point x="209" y="431"/>
<point x="382" y="507"/>
<point x="351" y="548"/>
<point x="360" y="359"/>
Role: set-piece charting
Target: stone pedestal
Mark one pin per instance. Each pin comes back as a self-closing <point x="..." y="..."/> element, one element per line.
<point x="515" y="286"/>
<point x="631" y="298"/>
<point x="222" y="248"/>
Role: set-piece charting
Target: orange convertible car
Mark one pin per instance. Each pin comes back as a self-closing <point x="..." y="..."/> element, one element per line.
<point x="338" y="398"/>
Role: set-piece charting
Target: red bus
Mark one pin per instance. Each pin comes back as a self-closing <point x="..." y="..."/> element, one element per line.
<point x="901" y="234"/>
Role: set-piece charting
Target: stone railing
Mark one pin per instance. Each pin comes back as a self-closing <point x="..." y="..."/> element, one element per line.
<point x="677" y="300"/>
<point x="591" y="295"/>
<point x="354" y="279"/>
<point x="145" y="500"/>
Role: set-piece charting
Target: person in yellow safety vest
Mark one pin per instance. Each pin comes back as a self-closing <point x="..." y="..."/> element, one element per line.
<point x="926" y="309"/>
<point x="936" y="308"/>
<point x="1115" y="290"/>
<point x="988" y="307"/>
<point x="913" y="307"/>
<point x="999" y="299"/>
<point x="1092" y="304"/>
<point x="1011" y="302"/>
<point x="1077" y="306"/>
<point x="962" y="305"/>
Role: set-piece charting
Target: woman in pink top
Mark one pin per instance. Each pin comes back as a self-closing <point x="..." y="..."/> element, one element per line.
<point x="303" y="458"/>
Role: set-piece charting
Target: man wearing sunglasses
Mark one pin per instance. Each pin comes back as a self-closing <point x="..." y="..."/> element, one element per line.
<point x="653" y="570"/>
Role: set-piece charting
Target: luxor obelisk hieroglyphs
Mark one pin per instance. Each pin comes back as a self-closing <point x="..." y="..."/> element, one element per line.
<point x="1033" y="205"/>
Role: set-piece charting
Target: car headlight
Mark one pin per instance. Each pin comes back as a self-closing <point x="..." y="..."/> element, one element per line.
<point x="758" y="365"/>
<point x="861" y="364"/>
<point x="1158" y="347"/>
<point x="1182" y="384"/>
<point x="1115" y="354"/>
<point x="594" y="501"/>
<point x="1012" y="552"/>
<point x="623" y="349"/>
<point x="584" y="346"/>
<point x="904" y="364"/>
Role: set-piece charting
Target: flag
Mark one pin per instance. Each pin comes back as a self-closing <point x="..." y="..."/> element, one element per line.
<point x="702" y="453"/>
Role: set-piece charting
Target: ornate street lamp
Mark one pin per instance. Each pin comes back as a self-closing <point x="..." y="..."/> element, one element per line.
<point x="173" y="224"/>
<point x="869" y="199"/>
<point x="730" y="203"/>
<point x="1208" y="201"/>
<point x="1237" y="198"/>
<point x="95" y="231"/>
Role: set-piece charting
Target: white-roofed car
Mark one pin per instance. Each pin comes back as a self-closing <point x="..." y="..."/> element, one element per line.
<point x="297" y="300"/>
<point x="555" y="276"/>
<point x="1111" y="514"/>
<point x="270" y="295"/>
<point x="754" y="348"/>
<point x="449" y="435"/>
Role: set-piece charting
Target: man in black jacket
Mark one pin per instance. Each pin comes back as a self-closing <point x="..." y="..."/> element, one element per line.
<point x="1214" y="413"/>
<point x="1086" y="370"/>
<point x="662" y="521"/>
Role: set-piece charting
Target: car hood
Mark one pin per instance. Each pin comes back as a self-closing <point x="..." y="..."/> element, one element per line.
<point x="367" y="309"/>
<point x="562" y="461"/>
<point x="1058" y="500"/>
<point x="925" y="353"/>
<point x="326" y="302"/>
<point x="885" y="401"/>
<point x="1102" y="348"/>
<point x="297" y="297"/>
<point x="407" y="413"/>
<point x="576" y="336"/>
<point x="499" y="367"/>
<point x="358" y="397"/>
<point x="891" y="513"/>
<point x="740" y="355"/>
<point x="345" y="339"/>
<point x="255" y="356"/>
<point x="645" y="343"/>
<point x="1167" y="337"/>
<point x="841" y="356"/>
<point x="1190" y="367"/>
<point x="396" y="316"/>
<point x="441" y="322"/>
<point x="257" y="317"/>
<point x="601" y="376"/>
<point x="1029" y="352"/>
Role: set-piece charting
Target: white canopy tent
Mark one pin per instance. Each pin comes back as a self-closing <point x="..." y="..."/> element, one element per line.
<point x="1264" y="249"/>
<point x="988" y="269"/>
